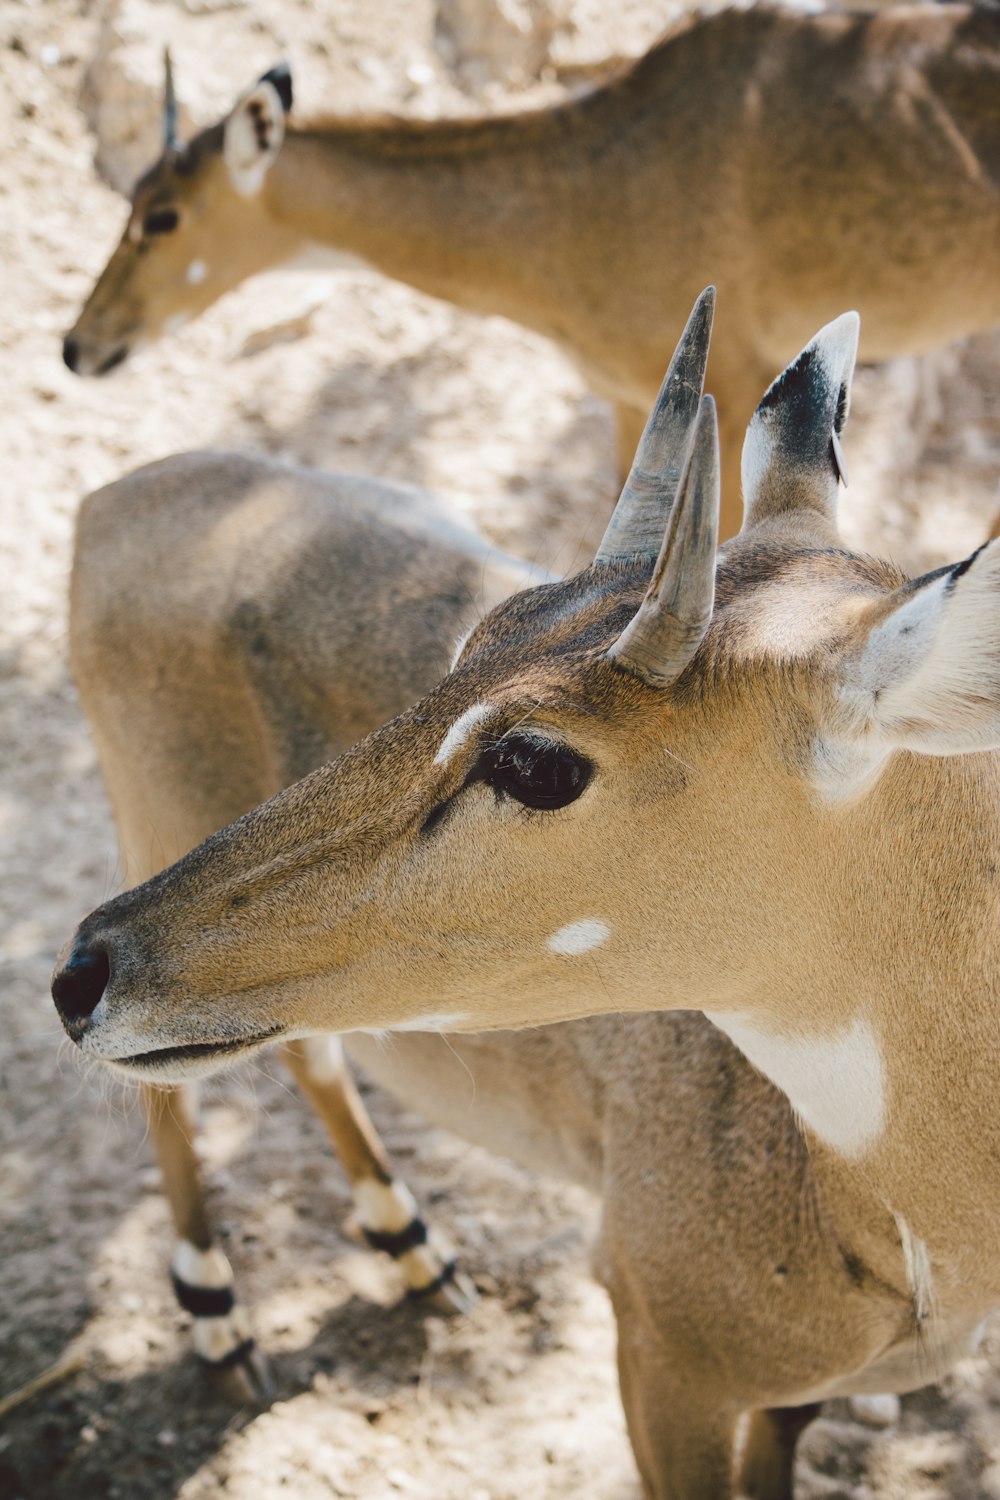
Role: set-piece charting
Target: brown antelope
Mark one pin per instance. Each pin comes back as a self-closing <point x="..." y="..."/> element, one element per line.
<point x="227" y="674"/>
<point x="760" y="787"/>
<point x="803" y="162"/>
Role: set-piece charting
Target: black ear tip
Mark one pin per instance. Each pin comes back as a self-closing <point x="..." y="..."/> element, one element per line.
<point x="280" y="78"/>
<point x="794" y="383"/>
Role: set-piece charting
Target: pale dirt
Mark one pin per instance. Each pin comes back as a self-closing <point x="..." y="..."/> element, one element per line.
<point x="351" y="372"/>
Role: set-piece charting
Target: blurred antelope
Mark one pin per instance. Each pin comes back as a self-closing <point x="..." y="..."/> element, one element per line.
<point x="762" y="786"/>
<point x="216" y="679"/>
<point x="803" y="162"/>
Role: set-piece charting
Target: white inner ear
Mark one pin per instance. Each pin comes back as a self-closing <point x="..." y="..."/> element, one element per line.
<point x="253" y="136"/>
<point x="928" y="679"/>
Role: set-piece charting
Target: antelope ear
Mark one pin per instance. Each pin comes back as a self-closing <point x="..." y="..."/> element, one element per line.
<point x="922" y="671"/>
<point x="255" y="130"/>
<point x="792" y="459"/>
<point x="281" y="76"/>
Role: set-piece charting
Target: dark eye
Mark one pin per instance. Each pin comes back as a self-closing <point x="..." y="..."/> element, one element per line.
<point x="535" y="772"/>
<point x="160" y="221"/>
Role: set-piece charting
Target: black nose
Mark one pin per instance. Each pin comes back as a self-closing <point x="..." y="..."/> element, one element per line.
<point x="71" y="353"/>
<point x="78" y="986"/>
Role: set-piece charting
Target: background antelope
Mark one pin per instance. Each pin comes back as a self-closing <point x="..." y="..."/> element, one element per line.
<point x="595" y="221"/>
<point x="764" y="762"/>
<point x="274" y="569"/>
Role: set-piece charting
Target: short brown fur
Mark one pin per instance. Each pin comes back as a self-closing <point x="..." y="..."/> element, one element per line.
<point x="802" y="162"/>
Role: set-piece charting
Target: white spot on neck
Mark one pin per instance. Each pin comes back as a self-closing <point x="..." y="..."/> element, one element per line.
<point x="579" y="937"/>
<point x="836" y="1085"/>
<point x="460" y="732"/>
<point x="175" y="322"/>
<point x="196" y="272"/>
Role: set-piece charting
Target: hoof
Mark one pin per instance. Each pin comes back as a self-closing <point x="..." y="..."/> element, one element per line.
<point x="451" y="1292"/>
<point x="243" y="1377"/>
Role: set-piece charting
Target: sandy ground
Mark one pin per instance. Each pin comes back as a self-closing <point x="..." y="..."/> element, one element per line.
<point x="351" y="372"/>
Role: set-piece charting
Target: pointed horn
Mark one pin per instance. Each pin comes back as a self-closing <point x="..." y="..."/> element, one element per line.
<point x="640" y="516"/>
<point x="170" y="139"/>
<point x="670" y="623"/>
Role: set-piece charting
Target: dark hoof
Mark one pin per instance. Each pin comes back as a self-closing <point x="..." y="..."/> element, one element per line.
<point x="243" y="1377"/>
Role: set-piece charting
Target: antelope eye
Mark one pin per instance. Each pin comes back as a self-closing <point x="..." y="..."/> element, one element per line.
<point x="535" y="772"/>
<point x="160" y="221"/>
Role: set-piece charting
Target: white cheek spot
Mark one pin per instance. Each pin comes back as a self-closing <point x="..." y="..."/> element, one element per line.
<point x="175" y="322"/>
<point x="579" y="937"/>
<point x="459" y="733"/>
<point x="432" y="1023"/>
<point x="196" y="273"/>
<point x="836" y="1085"/>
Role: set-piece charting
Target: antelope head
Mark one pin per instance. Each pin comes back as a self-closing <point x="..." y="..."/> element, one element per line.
<point x="193" y="230"/>
<point x="662" y="783"/>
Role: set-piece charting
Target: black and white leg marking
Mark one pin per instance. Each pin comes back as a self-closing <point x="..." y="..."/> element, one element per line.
<point x="203" y="1282"/>
<point x="390" y="1221"/>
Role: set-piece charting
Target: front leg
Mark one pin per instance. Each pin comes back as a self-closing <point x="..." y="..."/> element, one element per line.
<point x="201" y="1274"/>
<point x="387" y="1210"/>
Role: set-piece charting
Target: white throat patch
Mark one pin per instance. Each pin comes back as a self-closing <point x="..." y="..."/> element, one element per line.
<point x="836" y="1085"/>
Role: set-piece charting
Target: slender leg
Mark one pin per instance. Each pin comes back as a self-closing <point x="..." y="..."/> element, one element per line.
<point x="387" y="1210"/>
<point x="201" y="1274"/>
<point x="683" y="1443"/>
<point x="769" y="1456"/>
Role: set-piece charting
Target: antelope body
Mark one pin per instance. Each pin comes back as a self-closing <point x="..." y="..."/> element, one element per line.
<point x="213" y="681"/>
<point x="804" y="162"/>
<point x="217" y="602"/>
<point x="764" y="788"/>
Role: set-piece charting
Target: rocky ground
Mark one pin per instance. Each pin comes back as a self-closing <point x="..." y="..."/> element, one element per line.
<point x="347" y="371"/>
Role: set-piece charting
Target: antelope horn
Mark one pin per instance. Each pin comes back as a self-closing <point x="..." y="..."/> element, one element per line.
<point x="636" y="528"/>
<point x="170" y="139"/>
<point x="670" y="623"/>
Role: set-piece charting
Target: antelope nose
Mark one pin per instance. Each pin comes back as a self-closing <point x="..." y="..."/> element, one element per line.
<point x="78" y="985"/>
<point x="71" y="353"/>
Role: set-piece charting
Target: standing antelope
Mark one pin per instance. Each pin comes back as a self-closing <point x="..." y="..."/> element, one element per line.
<point x="752" y="786"/>
<point x="215" y="681"/>
<point x="803" y="162"/>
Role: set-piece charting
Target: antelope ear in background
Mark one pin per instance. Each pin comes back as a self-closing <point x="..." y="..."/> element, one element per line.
<point x="255" y="130"/>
